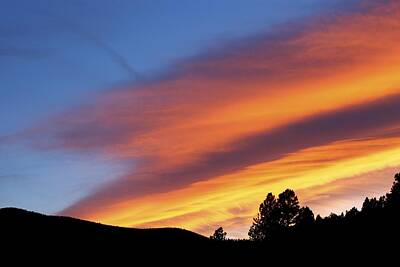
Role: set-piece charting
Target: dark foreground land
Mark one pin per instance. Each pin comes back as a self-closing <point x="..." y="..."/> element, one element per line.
<point x="22" y="230"/>
<point x="372" y="232"/>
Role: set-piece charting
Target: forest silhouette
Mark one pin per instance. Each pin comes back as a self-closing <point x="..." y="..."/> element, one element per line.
<point x="281" y="226"/>
<point x="282" y="218"/>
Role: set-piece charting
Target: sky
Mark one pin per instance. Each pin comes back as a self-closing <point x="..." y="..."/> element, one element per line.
<point x="187" y="113"/>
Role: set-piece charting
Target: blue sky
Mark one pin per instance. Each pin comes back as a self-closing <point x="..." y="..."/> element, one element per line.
<point x="54" y="55"/>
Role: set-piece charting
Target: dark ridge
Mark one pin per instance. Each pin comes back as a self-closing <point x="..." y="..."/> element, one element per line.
<point x="23" y="224"/>
<point x="374" y="231"/>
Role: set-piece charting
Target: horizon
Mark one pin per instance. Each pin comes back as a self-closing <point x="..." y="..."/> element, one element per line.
<point x="184" y="114"/>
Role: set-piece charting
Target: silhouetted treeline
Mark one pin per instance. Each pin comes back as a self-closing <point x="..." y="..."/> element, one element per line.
<point x="281" y="219"/>
<point x="282" y="227"/>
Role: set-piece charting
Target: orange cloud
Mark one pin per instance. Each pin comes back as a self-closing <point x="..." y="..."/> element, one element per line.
<point x="314" y="171"/>
<point x="298" y="108"/>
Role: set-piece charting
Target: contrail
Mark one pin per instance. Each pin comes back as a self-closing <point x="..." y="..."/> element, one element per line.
<point x="114" y="55"/>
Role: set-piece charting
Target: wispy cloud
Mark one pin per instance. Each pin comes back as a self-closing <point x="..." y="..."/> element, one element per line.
<point x="251" y="117"/>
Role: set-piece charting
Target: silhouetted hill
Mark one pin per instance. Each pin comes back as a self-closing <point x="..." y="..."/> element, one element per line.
<point x="18" y="224"/>
<point x="374" y="230"/>
<point x="25" y="229"/>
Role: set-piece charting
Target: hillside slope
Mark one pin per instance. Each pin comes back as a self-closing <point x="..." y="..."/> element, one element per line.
<point x="17" y="225"/>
